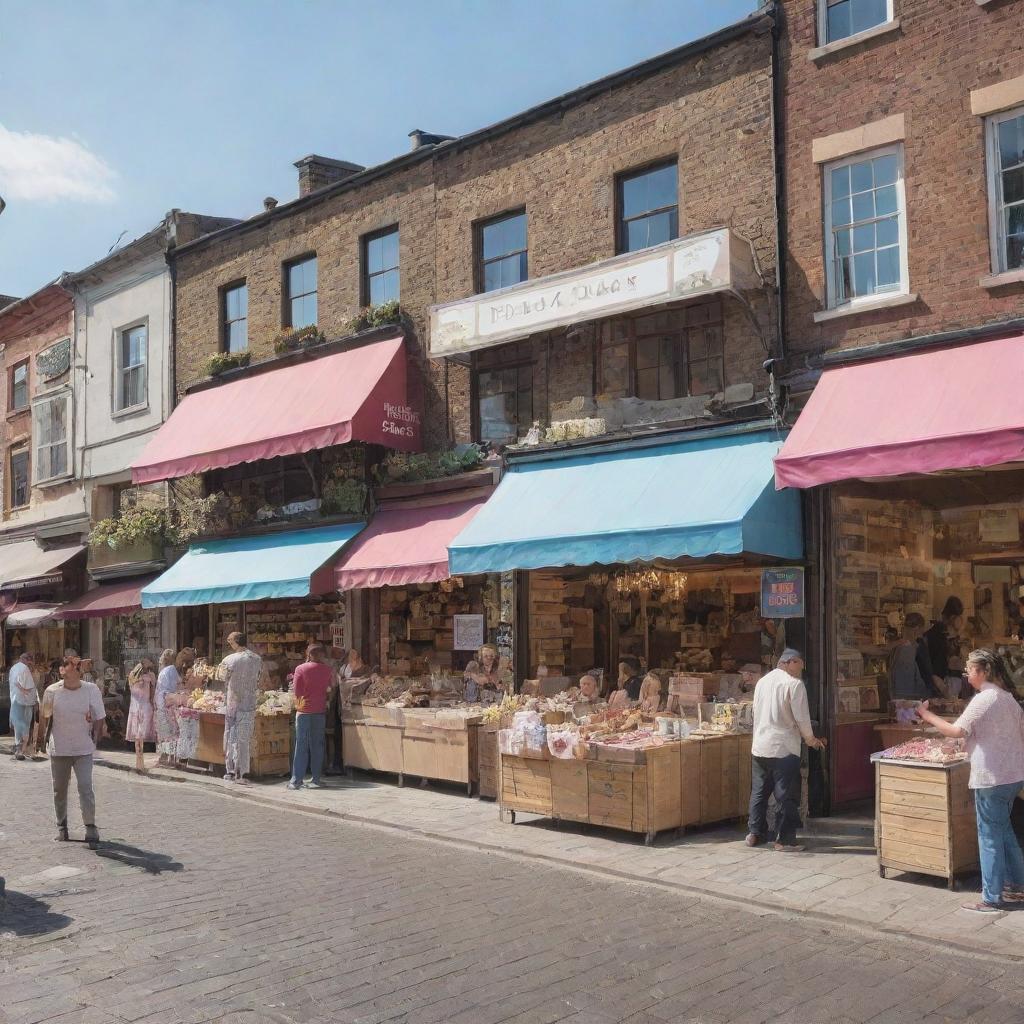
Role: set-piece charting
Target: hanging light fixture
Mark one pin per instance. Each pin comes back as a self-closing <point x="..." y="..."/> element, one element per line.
<point x="638" y="578"/>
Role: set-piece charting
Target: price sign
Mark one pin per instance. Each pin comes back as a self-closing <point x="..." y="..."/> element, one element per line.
<point x="782" y="593"/>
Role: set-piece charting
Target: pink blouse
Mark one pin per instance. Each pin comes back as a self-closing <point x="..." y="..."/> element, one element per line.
<point x="994" y="724"/>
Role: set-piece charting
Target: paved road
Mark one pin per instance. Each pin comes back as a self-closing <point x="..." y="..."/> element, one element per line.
<point x="204" y="908"/>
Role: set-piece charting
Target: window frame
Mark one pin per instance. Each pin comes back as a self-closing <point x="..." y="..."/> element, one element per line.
<point x="286" y="268"/>
<point x="831" y="290"/>
<point x="996" y="235"/>
<point x="121" y="371"/>
<point x="520" y="355"/>
<point x="225" y="332"/>
<point x="364" y="262"/>
<point x="66" y="397"/>
<point x="478" y="245"/>
<point x="621" y="224"/>
<point x="823" y="39"/>
<point x="14" y="451"/>
<point x="12" y="408"/>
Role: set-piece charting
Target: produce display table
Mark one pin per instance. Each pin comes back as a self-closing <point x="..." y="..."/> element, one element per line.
<point x="715" y="777"/>
<point x="924" y="818"/>
<point x="270" y="751"/>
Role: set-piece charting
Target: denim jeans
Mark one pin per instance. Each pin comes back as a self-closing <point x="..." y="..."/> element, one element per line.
<point x="1002" y="862"/>
<point x="781" y="776"/>
<point x="309" y="747"/>
<point x="21" y="720"/>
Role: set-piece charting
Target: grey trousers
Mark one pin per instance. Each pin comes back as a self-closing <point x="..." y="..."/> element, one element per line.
<point x="60" y="769"/>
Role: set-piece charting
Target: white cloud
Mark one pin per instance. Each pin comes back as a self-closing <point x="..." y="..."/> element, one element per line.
<point x="46" y="168"/>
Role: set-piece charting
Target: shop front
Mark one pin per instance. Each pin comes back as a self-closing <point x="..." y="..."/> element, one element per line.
<point x="915" y="468"/>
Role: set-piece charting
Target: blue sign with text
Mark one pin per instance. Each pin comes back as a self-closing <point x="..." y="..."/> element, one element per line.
<point x="782" y="593"/>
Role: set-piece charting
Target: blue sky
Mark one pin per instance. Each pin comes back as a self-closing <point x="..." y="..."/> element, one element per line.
<point x="112" y="113"/>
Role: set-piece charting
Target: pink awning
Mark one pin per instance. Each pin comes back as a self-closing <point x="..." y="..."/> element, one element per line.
<point x="405" y="545"/>
<point x="949" y="408"/>
<point x="361" y="394"/>
<point x="120" y="597"/>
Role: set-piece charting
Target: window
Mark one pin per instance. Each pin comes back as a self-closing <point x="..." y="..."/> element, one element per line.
<point x="1006" y="189"/>
<point x="502" y="247"/>
<point x="19" y="478"/>
<point x="130" y="385"/>
<point x="865" y="228"/>
<point x="840" y="19"/>
<point x="236" y="317"/>
<point x="300" y="285"/>
<point x="503" y="389"/>
<point x="380" y="267"/>
<point x="19" y="387"/>
<point x="648" y="208"/>
<point x="661" y="356"/>
<point x="51" y="436"/>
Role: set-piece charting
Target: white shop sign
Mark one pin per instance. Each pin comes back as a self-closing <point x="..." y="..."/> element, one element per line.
<point x="469" y="632"/>
<point x="692" y="266"/>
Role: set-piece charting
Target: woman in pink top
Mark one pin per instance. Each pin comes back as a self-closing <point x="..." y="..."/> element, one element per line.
<point x="993" y="725"/>
<point x="311" y="684"/>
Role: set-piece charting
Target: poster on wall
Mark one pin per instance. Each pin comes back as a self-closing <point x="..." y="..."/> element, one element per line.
<point x="999" y="526"/>
<point x="782" y="593"/>
<point x="469" y="632"/>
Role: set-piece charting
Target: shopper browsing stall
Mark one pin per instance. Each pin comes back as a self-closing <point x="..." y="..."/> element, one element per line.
<point x="72" y="713"/>
<point x="24" y="703"/>
<point x="241" y="671"/>
<point x="781" y="721"/>
<point x="141" y="727"/>
<point x="311" y="685"/>
<point x="993" y="726"/>
<point x="629" y="676"/>
<point x="172" y="671"/>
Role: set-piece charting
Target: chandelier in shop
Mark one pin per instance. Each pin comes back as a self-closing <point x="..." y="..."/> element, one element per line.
<point x="641" y="578"/>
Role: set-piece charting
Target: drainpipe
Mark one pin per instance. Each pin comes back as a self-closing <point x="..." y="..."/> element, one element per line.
<point x="780" y="181"/>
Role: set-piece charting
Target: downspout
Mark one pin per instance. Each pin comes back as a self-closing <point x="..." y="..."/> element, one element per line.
<point x="780" y="181"/>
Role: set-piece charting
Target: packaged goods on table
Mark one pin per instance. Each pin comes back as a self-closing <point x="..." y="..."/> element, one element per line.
<point x="933" y="750"/>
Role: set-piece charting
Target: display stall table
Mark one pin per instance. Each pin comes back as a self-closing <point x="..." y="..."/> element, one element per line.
<point x="270" y="751"/>
<point x="924" y="818"/>
<point x="487" y="761"/>
<point x="715" y="777"/>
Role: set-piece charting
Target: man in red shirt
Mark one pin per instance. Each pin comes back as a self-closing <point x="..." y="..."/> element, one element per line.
<point x="311" y="685"/>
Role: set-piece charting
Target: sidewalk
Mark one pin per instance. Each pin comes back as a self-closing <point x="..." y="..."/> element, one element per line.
<point x="835" y="880"/>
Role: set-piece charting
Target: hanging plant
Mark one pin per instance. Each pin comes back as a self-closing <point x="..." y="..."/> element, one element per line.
<point x="400" y="467"/>
<point x="290" y="340"/>
<point x="221" y="362"/>
<point x="343" y="496"/>
<point x="376" y="316"/>
<point x="132" y="526"/>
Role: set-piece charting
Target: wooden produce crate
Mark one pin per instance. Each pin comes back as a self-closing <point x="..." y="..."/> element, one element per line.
<point x="525" y="785"/>
<point x="715" y="778"/>
<point x="210" y="747"/>
<point x="372" y="746"/>
<point x="924" y="819"/>
<point x="637" y="797"/>
<point x="570" y="790"/>
<point x="271" y="750"/>
<point x="487" y="761"/>
<point x="439" y="753"/>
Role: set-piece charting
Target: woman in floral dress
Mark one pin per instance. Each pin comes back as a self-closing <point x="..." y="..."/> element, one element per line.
<point x="172" y="672"/>
<point x="141" y="727"/>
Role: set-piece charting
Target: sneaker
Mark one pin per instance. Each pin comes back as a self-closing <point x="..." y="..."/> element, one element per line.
<point x="292" y="785"/>
<point x="19" y="756"/>
<point x="982" y="908"/>
<point x="62" y="834"/>
<point x="92" y="834"/>
<point x="229" y="777"/>
<point x="1013" y="895"/>
<point x="753" y="840"/>
<point x="315" y="785"/>
<point x="788" y="848"/>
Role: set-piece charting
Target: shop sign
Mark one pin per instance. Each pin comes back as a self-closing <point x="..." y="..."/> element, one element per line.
<point x="469" y="632"/>
<point x="699" y="264"/>
<point x="782" y="593"/>
<point x="400" y="421"/>
<point x="39" y="581"/>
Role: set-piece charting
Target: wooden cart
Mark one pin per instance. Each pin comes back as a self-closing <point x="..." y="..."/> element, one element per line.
<point x="924" y="819"/>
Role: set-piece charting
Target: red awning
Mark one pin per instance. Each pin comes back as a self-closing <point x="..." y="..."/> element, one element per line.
<point x="121" y="597"/>
<point x="405" y="545"/>
<point x="949" y="408"/>
<point x="360" y="394"/>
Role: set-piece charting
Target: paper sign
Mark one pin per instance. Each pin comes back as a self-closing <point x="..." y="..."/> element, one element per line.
<point x="469" y="632"/>
<point x="782" y="593"/>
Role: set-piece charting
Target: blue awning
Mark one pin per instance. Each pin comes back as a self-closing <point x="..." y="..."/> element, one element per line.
<point x="712" y="495"/>
<point x="252" y="568"/>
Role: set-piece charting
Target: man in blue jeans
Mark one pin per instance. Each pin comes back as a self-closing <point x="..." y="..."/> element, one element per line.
<point x="781" y="721"/>
<point x="311" y="685"/>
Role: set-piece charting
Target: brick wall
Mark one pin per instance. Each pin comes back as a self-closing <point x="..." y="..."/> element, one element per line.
<point x="712" y="112"/>
<point x="925" y="71"/>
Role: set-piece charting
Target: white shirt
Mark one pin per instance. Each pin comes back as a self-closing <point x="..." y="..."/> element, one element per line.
<point x="781" y="715"/>
<point x="74" y="712"/>
<point x="994" y="724"/>
<point x="21" y="676"/>
<point x="167" y="682"/>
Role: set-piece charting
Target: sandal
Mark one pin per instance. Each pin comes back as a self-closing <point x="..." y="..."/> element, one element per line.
<point x="982" y="908"/>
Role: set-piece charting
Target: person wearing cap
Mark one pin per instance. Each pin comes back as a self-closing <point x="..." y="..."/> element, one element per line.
<point x="781" y="720"/>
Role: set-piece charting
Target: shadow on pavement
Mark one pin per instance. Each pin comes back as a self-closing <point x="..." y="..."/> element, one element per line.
<point x="148" y="861"/>
<point x="27" y="915"/>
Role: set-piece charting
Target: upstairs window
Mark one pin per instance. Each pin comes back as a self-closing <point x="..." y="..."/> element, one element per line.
<point x="648" y="207"/>
<point x="840" y="19"/>
<point x="865" y="227"/>
<point x="19" y="478"/>
<point x="236" y="317"/>
<point x="130" y="384"/>
<point x="503" y="251"/>
<point x="300" y="292"/>
<point x="380" y="267"/>
<point x="19" y="387"/>
<point x="52" y="436"/>
<point x="1006" y="189"/>
<point x="503" y="390"/>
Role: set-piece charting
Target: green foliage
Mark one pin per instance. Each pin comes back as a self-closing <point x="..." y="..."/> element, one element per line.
<point x="376" y="316"/>
<point x="190" y="518"/>
<point x="221" y="362"/>
<point x="400" y="467"/>
<point x="343" y="496"/>
<point x="130" y="527"/>
<point x="291" y="340"/>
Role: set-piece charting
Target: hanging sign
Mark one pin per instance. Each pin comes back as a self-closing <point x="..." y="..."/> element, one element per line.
<point x="469" y="632"/>
<point x="782" y="593"/>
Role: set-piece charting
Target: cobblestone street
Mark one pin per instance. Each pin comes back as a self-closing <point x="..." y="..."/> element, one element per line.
<point x="202" y="908"/>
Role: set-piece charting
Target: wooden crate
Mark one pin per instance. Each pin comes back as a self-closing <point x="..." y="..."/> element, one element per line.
<point x="570" y="796"/>
<point x="525" y="785"/>
<point x="210" y="747"/>
<point x="637" y="797"/>
<point x="715" y="778"/>
<point x="924" y="819"/>
<point x="445" y="754"/>
<point x="372" y="746"/>
<point x="487" y="761"/>
<point x="272" y="736"/>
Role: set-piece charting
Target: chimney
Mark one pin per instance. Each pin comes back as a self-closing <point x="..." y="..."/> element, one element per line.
<point x="269" y="203"/>
<point x="317" y="171"/>
<point x="420" y="139"/>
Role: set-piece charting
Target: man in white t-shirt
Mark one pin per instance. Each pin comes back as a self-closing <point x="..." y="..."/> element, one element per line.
<point x="781" y="721"/>
<point x="24" y="699"/>
<point x="72" y="715"/>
